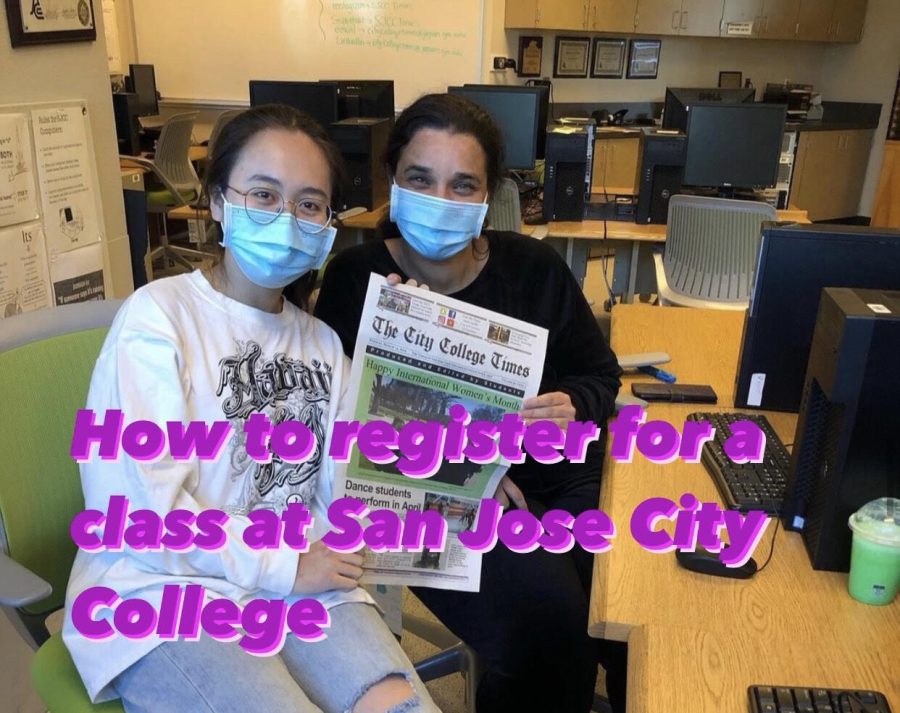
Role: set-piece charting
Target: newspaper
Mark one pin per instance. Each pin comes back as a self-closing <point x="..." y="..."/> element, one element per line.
<point x="418" y="355"/>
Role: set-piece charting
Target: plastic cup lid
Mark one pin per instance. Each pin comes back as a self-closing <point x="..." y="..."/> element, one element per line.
<point x="878" y="521"/>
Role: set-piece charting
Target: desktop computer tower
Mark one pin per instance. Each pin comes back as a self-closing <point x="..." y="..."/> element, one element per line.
<point x="846" y="450"/>
<point x="567" y="173"/>
<point x="662" y="168"/>
<point x="362" y="143"/>
<point x="125" y="111"/>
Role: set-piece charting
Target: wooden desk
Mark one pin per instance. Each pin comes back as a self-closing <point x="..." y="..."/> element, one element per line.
<point x="632" y="242"/>
<point x="358" y="225"/>
<point x="712" y="670"/>
<point x="787" y="601"/>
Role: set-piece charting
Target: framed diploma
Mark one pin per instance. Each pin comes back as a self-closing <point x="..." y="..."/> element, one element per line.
<point x="608" y="58"/>
<point x="531" y="54"/>
<point x="39" y="22"/>
<point x="571" y="57"/>
<point x="643" y="59"/>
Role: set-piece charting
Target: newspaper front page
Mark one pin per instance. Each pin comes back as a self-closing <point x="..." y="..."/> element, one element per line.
<point x="419" y="356"/>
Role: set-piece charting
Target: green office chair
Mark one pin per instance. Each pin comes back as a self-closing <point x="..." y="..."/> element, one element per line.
<point x="46" y="361"/>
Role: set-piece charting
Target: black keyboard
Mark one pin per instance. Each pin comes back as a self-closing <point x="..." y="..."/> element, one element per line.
<point x="746" y="486"/>
<point x="779" y="699"/>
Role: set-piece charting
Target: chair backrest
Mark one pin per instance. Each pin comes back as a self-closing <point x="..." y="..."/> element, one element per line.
<point x="712" y="245"/>
<point x="222" y="119"/>
<point x="505" y="212"/>
<point x="46" y="361"/>
<point x="172" y="156"/>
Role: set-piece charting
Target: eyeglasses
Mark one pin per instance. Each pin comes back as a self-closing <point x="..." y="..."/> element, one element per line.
<point x="264" y="205"/>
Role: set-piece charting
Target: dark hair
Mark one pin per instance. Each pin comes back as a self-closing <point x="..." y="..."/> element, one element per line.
<point x="239" y="131"/>
<point x="457" y="115"/>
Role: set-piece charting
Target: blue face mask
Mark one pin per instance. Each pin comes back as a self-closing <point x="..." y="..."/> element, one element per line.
<point x="275" y="254"/>
<point x="435" y="228"/>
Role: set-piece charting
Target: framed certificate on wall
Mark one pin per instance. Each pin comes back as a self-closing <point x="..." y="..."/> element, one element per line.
<point x="571" y="57"/>
<point x="37" y="22"/>
<point x="608" y="58"/>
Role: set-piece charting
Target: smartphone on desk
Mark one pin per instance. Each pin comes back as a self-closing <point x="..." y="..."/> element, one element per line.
<point x="676" y="393"/>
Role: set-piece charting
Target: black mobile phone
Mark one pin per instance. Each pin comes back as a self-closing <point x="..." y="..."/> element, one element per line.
<point x="681" y="393"/>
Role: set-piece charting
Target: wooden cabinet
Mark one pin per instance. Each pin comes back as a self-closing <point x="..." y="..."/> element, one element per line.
<point x="831" y="20"/>
<point x="612" y="15"/>
<point x="886" y="212"/>
<point x="812" y="20"/>
<point x="847" y="20"/>
<point x="829" y="171"/>
<point x="697" y="18"/>
<point x="547" y="14"/>
<point x="779" y="19"/>
<point x="616" y="165"/>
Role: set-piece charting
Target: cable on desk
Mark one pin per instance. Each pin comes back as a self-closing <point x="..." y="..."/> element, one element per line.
<point x="771" y="546"/>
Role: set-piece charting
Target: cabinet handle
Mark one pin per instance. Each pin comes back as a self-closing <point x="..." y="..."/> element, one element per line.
<point x="675" y="19"/>
<point x="765" y="26"/>
<point x="537" y="15"/>
<point x="683" y="23"/>
<point x="594" y="17"/>
<point x="837" y="29"/>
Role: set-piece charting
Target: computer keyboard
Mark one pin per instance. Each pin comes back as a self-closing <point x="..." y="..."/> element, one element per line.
<point x="747" y="486"/>
<point x="780" y="699"/>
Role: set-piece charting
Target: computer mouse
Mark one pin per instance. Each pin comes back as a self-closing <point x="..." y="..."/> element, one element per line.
<point x="709" y="563"/>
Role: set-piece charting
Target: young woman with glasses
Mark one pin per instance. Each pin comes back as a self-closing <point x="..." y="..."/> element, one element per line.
<point x="529" y="620"/>
<point x="223" y="344"/>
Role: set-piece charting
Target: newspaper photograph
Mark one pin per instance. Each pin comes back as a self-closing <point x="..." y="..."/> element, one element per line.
<point x="423" y="357"/>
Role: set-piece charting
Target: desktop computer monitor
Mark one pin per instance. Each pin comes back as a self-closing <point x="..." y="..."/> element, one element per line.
<point x="795" y="263"/>
<point x="364" y="98"/>
<point x="733" y="145"/>
<point x="521" y="114"/>
<point x="680" y="99"/>
<point x="318" y="100"/>
<point x="143" y="83"/>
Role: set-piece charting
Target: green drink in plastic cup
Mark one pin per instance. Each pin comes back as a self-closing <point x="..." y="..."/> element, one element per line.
<point x="875" y="557"/>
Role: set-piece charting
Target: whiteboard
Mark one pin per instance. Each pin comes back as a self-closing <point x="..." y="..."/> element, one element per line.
<point x="208" y="50"/>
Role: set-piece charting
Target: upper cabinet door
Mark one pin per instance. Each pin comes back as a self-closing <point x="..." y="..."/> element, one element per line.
<point x="814" y="20"/>
<point x="847" y="20"/>
<point x="613" y="15"/>
<point x="658" y="17"/>
<point x="562" y="14"/>
<point x="520" y="13"/>
<point x="701" y="18"/>
<point x="779" y="20"/>
<point x="739" y="12"/>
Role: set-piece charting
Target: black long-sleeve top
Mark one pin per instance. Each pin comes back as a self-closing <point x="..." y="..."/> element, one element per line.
<point x="525" y="279"/>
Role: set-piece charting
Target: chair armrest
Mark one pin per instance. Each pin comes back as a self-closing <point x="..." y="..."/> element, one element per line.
<point x="20" y="586"/>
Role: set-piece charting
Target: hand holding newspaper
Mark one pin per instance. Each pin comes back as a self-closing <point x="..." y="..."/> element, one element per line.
<point x="418" y="355"/>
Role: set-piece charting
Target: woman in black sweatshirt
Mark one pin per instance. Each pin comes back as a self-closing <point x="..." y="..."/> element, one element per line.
<point x="529" y="619"/>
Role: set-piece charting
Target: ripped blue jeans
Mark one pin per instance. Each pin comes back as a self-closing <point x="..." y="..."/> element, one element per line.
<point x="330" y="676"/>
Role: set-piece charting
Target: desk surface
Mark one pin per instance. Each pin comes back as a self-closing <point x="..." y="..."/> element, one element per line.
<point x="633" y="587"/>
<point x="636" y="232"/>
<point x="370" y="220"/>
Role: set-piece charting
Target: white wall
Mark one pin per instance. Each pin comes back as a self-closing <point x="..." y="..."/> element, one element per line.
<point x="77" y="71"/>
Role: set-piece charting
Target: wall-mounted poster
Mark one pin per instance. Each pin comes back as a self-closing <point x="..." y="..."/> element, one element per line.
<point x="24" y="281"/>
<point x="77" y="275"/>
<point x="66" y="178"/>
<point x="18" y="201"/>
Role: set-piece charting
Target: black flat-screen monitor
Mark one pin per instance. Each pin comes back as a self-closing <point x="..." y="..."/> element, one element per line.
<point x="680" y="99"/>
<point x="317" y="99"/>
<point x="795" y="263"/>
<point x="521" y="114"/>
<point x="733" y="145"/>
<point x="143" y="83"/>
<point x="366" y="98"/>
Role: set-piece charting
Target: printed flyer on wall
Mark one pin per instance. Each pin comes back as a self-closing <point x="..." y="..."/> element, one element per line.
<point x="423" y="357"/>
